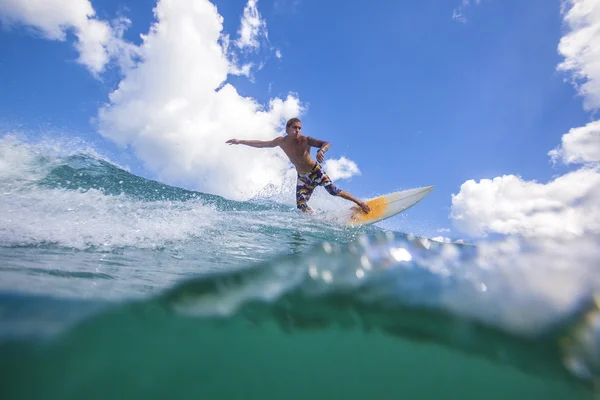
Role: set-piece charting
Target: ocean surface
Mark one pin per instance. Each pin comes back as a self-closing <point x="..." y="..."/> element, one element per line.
<point x="115" y="286"/>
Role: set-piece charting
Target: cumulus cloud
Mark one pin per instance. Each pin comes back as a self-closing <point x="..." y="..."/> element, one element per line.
<point x="510" y="205"/>
<point x="581" y="48"/>
<point x="341" y="169"/>
<point x="569" y="205"/>
<point x="174" y="107"/>
<point x="580" y="146"/>
<point x="97" y="41"/>
<point x="175" y="110"/>
<point x="50" y="17"/>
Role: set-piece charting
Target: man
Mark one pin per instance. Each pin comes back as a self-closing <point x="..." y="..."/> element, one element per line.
<point x="310" y="173"/>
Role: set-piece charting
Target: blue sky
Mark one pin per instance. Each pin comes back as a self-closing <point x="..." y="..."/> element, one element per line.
<point x="409" y="93"/>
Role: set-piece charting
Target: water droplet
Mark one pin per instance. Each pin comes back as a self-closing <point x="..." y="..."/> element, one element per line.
<point x="364" y="261"/>
<point x="313" y="271"/>
<point x="400" y="254"/>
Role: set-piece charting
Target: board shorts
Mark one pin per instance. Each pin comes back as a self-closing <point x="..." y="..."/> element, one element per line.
<point x="306" y="184"/>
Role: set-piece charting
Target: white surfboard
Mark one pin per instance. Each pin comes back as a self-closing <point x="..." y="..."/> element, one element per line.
<point x="383" y="207"/>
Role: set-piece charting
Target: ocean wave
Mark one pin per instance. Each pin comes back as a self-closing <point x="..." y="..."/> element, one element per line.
<point x="406" y="287"/>
<point x="183" y="269"/>
<point x="82" y="201"/>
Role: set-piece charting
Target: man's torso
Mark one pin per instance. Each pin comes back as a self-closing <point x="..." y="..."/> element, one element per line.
<point x="298" y="151"/>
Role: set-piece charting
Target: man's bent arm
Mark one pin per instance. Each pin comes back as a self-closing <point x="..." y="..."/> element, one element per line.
<point x="321" y="144"/>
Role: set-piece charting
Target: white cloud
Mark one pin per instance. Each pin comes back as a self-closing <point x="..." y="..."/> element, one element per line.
<point x="570" y="204"/>
<point x="342" y="168"/>
<point x="97" y="42"/>
<point x="581" y="48"/>
<point x="174" y="107"/>
<point x="175" y="110"/>
<point x="50" y="17"/>
<point x="245" y="70"/>
<point x="579" y="146"/>
<point x="252" y="27"/>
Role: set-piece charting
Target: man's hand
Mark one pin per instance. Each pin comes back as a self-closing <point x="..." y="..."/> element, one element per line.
<point x="320" y="155"/>
<point x="233" y="141"/>
<point x="365" y="207"/>
<point x="361" y="206"/>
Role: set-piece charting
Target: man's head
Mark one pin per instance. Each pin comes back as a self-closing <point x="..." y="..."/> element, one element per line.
<point x="293" y="127"/>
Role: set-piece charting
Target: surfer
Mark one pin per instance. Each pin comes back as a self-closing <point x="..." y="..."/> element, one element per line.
<point x="310" y="173"/>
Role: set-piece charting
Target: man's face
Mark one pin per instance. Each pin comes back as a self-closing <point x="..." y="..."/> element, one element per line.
<point x="294" y="129"/>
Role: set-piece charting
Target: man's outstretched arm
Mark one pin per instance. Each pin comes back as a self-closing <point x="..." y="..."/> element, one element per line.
<point x="256" y="143"/>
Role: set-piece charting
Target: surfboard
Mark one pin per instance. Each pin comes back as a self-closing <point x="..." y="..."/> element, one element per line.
<point x="385" y="206"/>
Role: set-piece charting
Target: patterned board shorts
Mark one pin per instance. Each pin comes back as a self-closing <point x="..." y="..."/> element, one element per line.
<point x="306" y="184"/>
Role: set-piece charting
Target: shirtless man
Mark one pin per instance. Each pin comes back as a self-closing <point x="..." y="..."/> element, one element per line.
<point x="310" y="173"/>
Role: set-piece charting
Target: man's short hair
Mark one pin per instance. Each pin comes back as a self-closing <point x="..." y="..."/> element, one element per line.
<point x="291" y="121"/>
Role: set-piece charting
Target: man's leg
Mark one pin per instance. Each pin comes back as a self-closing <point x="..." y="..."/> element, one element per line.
<point x="334" y="191"/>
<point x="303" y="193"/>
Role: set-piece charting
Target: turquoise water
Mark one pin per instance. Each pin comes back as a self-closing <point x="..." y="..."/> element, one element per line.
<point x="114" y="286"/>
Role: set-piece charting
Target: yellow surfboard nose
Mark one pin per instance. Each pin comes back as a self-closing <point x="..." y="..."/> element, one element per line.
<point x="386" y="206"/>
